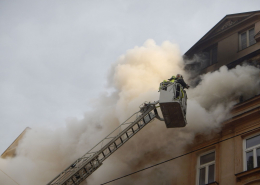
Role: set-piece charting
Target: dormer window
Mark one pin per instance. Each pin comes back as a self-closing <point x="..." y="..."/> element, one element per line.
<point x="246" y="38"/>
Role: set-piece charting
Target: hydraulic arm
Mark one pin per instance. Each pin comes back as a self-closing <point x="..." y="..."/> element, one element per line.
<point x="92" y="160"/>
<point x="173" y="105"/>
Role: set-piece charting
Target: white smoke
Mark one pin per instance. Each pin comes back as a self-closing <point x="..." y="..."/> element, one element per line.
<point x="43" y="153"/>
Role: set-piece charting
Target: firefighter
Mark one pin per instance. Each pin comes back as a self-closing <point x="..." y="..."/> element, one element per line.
<point x="179" y="79"/>
<point x="172" y="79"/>
<point x="164" y="84"/>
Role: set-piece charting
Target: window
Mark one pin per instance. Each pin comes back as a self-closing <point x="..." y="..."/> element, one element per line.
<point x="252" y="152"/>
<point x="246" y="38"/>
<point x="193" y="67"/>
<point x="206" y="168"/>
<point x="211" y="55"/>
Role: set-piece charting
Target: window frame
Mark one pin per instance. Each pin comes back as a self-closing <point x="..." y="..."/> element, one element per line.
<point x="206" y="167"/>
<point x="253" y="148"/>
<point x="210" y="57"/>
<point x="247" y="38"/>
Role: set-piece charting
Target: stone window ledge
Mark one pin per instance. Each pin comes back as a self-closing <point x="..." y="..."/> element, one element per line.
<point x="213" y="183"/>
<point x="246" y="174"/>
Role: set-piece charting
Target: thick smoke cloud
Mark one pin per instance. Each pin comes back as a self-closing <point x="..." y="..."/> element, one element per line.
<point x="134" y="78"/>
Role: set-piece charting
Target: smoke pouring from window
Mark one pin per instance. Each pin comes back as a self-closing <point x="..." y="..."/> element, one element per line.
<point x="134" y="78"/>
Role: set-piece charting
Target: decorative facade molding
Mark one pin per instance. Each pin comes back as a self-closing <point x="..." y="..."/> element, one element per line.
<point x="228" y="24"/>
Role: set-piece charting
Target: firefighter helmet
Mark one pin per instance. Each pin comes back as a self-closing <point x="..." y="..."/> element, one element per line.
<point x="178" y="76"/>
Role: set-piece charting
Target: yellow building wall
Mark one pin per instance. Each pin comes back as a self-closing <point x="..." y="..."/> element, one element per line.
<point x="10" y="151"/>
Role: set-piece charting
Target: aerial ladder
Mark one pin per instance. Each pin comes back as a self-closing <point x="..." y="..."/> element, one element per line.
<point x="173" y="104"/>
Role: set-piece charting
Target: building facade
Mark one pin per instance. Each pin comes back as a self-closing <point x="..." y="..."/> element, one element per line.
<point x="232" y="157"/>
<point x="11" y="150"/>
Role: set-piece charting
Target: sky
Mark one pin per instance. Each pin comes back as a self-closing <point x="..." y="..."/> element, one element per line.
<point x="55" y="56"/>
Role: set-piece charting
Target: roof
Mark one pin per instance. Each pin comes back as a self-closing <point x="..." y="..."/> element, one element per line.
<point x="10" y="151"/>
<point x="228" y="22"/>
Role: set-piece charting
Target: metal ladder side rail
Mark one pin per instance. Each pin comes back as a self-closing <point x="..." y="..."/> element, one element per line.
<point x="113" y="147"/>
<point x="107" y="137"/>
<point x="80" y="161"/>
<point x="64" y="176"/>
<point x="90" y="153"/>
<point x="85" y="175"/>
<point x="75" y="181"/>
<point x="120" y="141"/>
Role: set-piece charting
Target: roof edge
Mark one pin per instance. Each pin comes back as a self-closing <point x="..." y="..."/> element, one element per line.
<point x="218" y="23"/>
